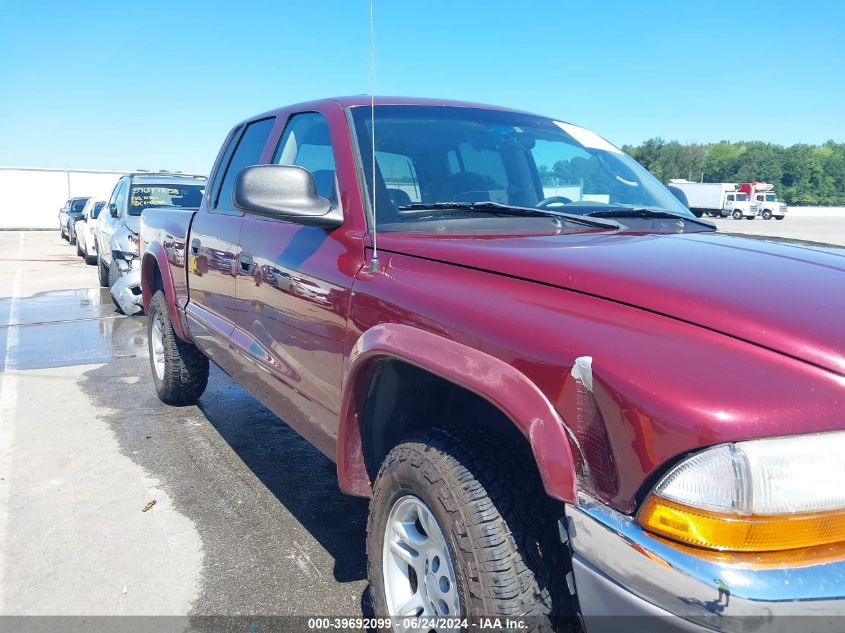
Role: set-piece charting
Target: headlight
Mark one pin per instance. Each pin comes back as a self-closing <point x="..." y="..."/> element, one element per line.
<point x="756" y="496"/>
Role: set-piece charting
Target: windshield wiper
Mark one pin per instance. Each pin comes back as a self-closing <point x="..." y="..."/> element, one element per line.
<point x="497" y="208"/>
<point x="649" y="213"/>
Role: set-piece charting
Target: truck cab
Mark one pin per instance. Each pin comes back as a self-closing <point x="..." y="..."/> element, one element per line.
<point x="738" y="205"/>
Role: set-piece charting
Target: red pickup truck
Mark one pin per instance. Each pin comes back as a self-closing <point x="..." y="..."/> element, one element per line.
<point x="498" y="325"/>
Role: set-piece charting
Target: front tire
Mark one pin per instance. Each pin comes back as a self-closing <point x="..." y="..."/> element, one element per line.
<point x="766" y="215"/>
<point x="102" y="273"/>
<point x="502" y="555"/>
<point x="180" y="370"/>
<point x="737" y="215"/>
<point x="114" y="275"/>
<point x="79" y="250"/>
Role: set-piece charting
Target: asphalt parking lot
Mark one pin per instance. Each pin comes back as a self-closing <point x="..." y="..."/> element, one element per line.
<point x="829" y="230"/>
<point x="248" y="518"/>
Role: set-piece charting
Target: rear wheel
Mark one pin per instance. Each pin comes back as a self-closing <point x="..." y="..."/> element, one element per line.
<point x="180" y="370"/>
<point x="102" y="273"/>
<point x="737" y="215"/>
<point x="459" y="527"/>
<point x="71" y="236"/>
<point x="766" y="215"/>
<point x="79" y="250"/>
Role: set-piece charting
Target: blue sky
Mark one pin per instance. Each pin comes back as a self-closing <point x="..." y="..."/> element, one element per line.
<point x="157" y="85"/>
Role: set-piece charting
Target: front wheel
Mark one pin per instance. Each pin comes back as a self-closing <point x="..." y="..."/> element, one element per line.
<point x="180" y="370"/>
<point x="780" y="217"/>
<point x="737" y="215"/>
<point x="79" y="250"/>
<point x="766" y="215"/>
<point x="460" y="528"/>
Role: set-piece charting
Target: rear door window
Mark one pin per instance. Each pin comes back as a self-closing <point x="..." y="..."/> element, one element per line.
<point x="247" y="153"/>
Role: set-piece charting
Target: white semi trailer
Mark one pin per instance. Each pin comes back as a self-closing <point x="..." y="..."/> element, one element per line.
<point x="717" y="199"/>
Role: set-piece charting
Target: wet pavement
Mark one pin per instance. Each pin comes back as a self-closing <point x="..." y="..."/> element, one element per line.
<point x="248" y="517"/>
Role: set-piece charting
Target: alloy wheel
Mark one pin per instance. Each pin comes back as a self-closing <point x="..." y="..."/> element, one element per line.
<point x="419" y="574"/>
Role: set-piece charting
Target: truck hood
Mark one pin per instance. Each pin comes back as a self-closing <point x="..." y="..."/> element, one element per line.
<point x="783" y="295"/>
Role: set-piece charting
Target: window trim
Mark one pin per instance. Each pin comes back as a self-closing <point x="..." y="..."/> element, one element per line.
<point x="216" y="179"/>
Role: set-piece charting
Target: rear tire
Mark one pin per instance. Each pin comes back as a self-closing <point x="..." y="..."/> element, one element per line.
<point x="71" y="237"/>
<point x="500" y="528"/>
<point x="182" y="375"/>
<point x="79" y="250"/>
<point x="102" y="273"/>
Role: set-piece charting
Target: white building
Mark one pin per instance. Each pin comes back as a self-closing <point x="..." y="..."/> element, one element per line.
<point x="30" y="197"/>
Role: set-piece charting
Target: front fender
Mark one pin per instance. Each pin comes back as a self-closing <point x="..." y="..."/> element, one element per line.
<point x="155" y="256"/>
<point x="493" y="379"/>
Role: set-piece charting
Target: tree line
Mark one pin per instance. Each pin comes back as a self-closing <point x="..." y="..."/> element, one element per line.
<point x="802" y="174"/>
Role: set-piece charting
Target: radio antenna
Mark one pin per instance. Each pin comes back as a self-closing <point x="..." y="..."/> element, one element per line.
<point x="374" y="261"/>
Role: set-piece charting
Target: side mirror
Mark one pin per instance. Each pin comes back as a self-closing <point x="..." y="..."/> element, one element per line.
<point x="286" y="192"/>
<point x="113" y="209"/>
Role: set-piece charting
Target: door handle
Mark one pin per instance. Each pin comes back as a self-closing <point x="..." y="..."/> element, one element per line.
<point x="245" y="260"/>
<point x="195" y="246"/>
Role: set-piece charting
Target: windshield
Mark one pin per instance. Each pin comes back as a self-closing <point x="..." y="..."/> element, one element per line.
<point x="78" y="205"/>
<point x="170" y="195"/>
<point x="434" y="154"/>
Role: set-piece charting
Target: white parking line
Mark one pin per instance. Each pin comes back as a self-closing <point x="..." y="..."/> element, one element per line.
<point x="8" y="407"/>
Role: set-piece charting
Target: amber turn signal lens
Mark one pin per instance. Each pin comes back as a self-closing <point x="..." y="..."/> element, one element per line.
<point x="741" y="533"/>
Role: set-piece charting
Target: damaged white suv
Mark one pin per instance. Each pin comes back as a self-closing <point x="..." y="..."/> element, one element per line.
<point x="118" y="265"/>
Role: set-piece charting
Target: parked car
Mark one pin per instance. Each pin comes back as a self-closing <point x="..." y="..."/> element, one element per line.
<point x="552" y="409"/>
<point x="68" y="215"/>
<point x="117" y="228"/>
<point x="85" y="230"/>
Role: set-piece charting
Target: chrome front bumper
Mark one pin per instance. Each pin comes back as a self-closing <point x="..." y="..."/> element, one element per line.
<point x="621" y="572"/>
<point x="127" y="289"/>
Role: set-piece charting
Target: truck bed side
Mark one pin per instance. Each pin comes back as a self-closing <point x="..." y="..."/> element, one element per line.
<point x="164" y="243"/>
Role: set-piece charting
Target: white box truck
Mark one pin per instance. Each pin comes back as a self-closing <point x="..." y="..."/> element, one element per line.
<point x="717" y="199"/>
<point x="763" y="195"/>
